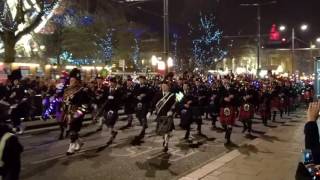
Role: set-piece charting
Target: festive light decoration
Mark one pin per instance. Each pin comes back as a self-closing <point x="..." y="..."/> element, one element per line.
<point x="10" y="14"/>
<point x="86" y="20"/>
<point x="106" y="45"/>
<point x="66" y="56"/>
<point x="66" y="19"/>
<point x="136" y="53"/>
<point x="207" y="41"/>
<point x="175" y="48"/>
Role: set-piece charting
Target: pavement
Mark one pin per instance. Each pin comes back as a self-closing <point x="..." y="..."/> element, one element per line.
<point x="207" y="157"/>
<point x="274" y="156"/>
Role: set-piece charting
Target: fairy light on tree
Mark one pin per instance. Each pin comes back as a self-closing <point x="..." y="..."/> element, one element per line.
<point x="106" y="46"/>
<point x="175" y="48"/>
<point x="136" y="53"/>
<point x="206" y="42"/>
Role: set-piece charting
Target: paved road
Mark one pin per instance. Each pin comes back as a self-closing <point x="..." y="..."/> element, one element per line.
<point x="44" y="156"/>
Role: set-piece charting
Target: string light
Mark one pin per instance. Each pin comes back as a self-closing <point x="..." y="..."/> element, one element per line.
<point x="136" y="52"/>
<point x="106" y="45"/>
<point x="207" y="41"/>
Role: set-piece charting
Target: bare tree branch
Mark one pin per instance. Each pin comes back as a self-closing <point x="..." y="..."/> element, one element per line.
<point x="37" y="20"/>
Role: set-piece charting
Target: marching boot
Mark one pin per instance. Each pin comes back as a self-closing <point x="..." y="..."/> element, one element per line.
<point x="214" y="121"/>
<point x="187" y="135"/>
<point x="113" y="136"/>
<point x="78" y="145"/>
<point x="245" y="126"/>
<point x="21" y="130"/>
<point x="129" y="123"/>
<point x="71" y="149"/>
<point x="249" y="126"/>
<point x="274" y="116"/>
<point x="61" y="136"/>
<point x="199" y="130"/>
<point x="228" y="135"/>
<point x="165" y="143"/>
<point x="100" y="124"/>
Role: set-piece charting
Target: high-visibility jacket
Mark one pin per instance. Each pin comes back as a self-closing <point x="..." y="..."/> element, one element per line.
<point x="3" y="142"/>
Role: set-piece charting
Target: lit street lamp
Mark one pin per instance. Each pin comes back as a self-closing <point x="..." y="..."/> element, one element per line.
<point x="318" y="40"/>
<point x="282" y="28"/>
<point x="154" y="60"/>
<point x="303" y="28"/>
<point x="258" y="6"/>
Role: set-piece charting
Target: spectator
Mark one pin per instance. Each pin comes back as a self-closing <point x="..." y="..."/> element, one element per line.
<point x="311" y="131"/>
<point x="10" y="151"/>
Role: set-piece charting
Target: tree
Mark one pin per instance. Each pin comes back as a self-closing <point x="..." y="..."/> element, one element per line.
<point x="20" y="20"/>
<point x="206" y="42"/>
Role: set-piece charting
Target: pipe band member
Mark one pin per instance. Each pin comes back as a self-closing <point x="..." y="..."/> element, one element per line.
<point x="75" y="100"/>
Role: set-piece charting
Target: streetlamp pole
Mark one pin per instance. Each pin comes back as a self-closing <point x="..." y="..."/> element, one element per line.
<point x="259" y="38"/>
<point x="292" y="48"/>
<point x="166" y="33"/>
<point x="258" y="6"/>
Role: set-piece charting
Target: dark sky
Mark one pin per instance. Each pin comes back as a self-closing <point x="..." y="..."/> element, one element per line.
<point x="231" y="17"/>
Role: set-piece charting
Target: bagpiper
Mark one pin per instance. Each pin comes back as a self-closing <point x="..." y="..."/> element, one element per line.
<point x="164" y="108"/>
<point x="143" y="95"/>
<point x="228" y="113"/>
<point x="75" y="100"/>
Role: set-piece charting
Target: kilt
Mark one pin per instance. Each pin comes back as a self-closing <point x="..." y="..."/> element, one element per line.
<point x="110" y="118"/>
<point x="245" y="112"/>
<point x="186" y="118"/>
<point x="165" y="125"/>
<point x="264" y="111"/>
<point x="227" y="115"/>
<point x="275" y="104"/>
<point x="196" y="114"/>
<point x="141" y="110"/>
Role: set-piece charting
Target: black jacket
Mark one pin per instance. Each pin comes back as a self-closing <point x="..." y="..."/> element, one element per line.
<point x="312" y="140"/>
<point x="11" y="156"/>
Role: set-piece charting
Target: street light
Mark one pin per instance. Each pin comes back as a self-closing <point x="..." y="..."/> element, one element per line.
<point x="282" y="28"/>
<point x="161" y="66"/>
<point x="318" y="40"/>
<point x="154" y="60"/>
<point x="304" y="27"/>
<point x="170" y="62"/>
<point x="258" y="6"/>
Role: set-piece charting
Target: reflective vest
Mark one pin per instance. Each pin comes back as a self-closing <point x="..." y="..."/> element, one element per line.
<point x="3" y="142"/>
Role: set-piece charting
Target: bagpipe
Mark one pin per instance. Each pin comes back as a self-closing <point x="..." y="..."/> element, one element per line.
<point x="70" y="111"/>
<point x="164" y="114"/>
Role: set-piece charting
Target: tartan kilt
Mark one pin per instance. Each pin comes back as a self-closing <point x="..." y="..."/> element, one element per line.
<point x="275" y="104"/>
<point x="227" y="118"/>
<point x="110" y="118"/>
<point x="245" y="114"/>
<point x="165" y="125"/>
<point x="282" y="103"/>
<point x="264" y="111"/>
<point x="186" y="118"/>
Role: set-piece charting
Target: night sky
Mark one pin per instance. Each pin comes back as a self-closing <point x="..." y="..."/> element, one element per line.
<point x="231" y="17"/>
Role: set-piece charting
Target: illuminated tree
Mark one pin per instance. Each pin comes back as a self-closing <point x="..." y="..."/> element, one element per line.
<point x="136" y="53"/>
<point x="106" y="46"/>
<point x="206" y="42"/>
<point x="21" y="17"/>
